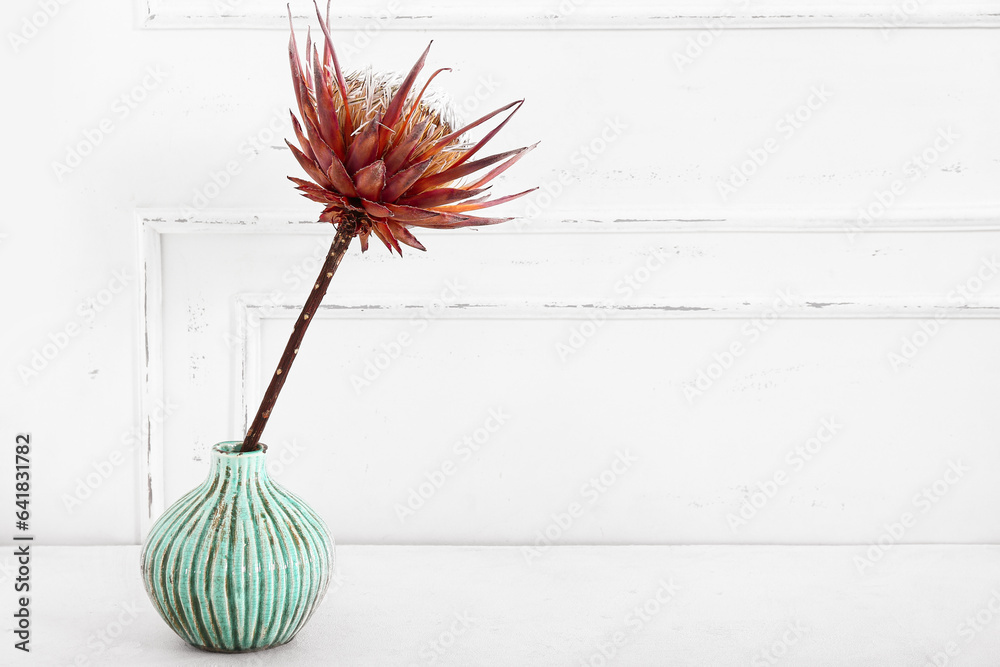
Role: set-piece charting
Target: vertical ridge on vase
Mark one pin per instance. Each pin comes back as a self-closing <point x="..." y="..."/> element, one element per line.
<point x="280" y="590"/>
<point x="216" y="569"/>
<point x="203" y="564"/>
<point x="175" y="566"/>
<point x="169" y="569"/>
<point x="285" y="505"/>
<point x="260" y="558"/>
<point x="236" y="596"/>
<point x="280" y="602"/>
<point x="239" y="563"/>
<point x="156" y="536"/>
<point x="294" y="614"/>
<point x="194" y="558"/>
<point x="315" y="548"/>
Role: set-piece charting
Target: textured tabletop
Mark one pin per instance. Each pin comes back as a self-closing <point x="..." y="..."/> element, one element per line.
<point x="567" y="605"/>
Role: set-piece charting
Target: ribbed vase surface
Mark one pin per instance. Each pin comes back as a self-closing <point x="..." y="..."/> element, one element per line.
<point x="239" y="563"/>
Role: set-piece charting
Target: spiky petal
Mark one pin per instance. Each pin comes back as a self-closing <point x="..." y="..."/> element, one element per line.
<point x="383" y="156"/>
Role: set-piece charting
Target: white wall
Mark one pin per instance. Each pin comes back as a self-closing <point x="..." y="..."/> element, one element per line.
<point x="664" y="134"/>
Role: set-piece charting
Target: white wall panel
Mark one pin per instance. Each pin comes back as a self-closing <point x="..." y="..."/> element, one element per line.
<point x="667" y="114"/>
<point x="408" y="357"/>
<point x="625" y="132"/>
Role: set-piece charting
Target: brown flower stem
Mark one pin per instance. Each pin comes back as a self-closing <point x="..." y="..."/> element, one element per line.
<point x="341" y="242"/>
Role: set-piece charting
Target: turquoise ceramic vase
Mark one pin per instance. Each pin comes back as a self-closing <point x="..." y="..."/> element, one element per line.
<point x="239" y="563"/>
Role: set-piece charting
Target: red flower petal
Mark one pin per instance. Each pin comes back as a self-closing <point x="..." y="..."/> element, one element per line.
<point x="315" y="192"/>
<point x="403" y="235"/>
<point x="483" y="203"/>
<point x="329" y="125"/>
<point x="420" y="96"/>
<point x="376" y="210"/>
<point x="492" y="133"/>
<point x="341" y="180"/>
<point x="385" y="234"/>
<point x="496" y="171"/>
<point x="322" y="152"/>
<point x="403" y="180"/>
<point x="330" y="56"/>
<point x="453" y="221"/>
<point x="408" y="214"/>
<point x="395" y="108"/>
<point x="454" y="173"/>
<point x="310" y="167"/>
<point x="396" y="158"/>
<point x="364" y="147"/>
<point x="444" y="141"/>
<point x="440" y="197"/>
<point x="298" y="80"/>
<point x="303" y="142"/>
<point x="370" y="180"/>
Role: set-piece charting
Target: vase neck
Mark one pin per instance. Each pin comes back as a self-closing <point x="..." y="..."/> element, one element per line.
<point x="228" y="461"/>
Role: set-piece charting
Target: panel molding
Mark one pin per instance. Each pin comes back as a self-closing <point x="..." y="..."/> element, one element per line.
<point x="150" y="339"/>
<point x="153" y="224"/>
<point x="376" y="15"/>
<point x="252" y="309"/>
<point x="294" y="221"/>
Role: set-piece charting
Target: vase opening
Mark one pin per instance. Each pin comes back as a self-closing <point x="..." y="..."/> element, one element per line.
<point x="232" y="448"/>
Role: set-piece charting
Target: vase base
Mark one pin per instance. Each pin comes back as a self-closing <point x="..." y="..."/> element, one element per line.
<point x="212" y="649"/>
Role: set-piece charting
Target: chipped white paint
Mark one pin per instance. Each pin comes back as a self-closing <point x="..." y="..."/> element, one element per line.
<point x="150" y="354"/>
<point x="888" y="290"/>
<point x="277" y="221"/>
<point x="377" y="15"/>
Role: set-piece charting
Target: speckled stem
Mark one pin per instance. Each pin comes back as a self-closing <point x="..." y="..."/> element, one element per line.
<point x="341" y="242"/>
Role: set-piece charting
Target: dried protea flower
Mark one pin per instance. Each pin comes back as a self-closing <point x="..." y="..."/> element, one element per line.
<point x="377" y="152"/>
<point x="382" y="160"/>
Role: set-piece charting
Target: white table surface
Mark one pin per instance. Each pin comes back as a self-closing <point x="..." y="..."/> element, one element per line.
<point x="398" y="605"/>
